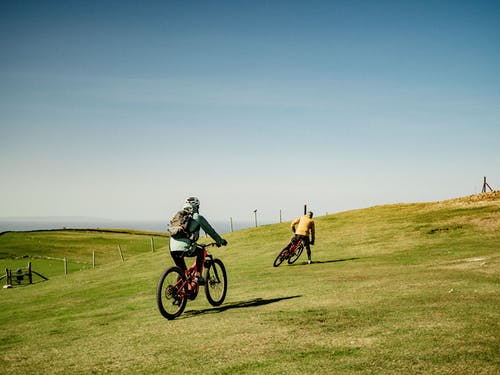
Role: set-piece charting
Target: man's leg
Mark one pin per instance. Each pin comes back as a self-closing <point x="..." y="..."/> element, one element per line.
<point x="199" y="265"/>
<point x="178" y="257"/>
<point x="305" y="239"/>
<point x="308" y="248"/>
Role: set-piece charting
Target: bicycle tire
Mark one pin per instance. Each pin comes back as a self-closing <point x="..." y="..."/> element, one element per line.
<point x="296" y="254"/>
<point x="215" y="282"/>
<point x="171" y="301"/>
<point x="281" y="257"/>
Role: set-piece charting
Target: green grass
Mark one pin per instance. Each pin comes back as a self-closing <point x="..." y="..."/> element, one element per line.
<point x="410" y="288"/>
<point x="82" y="248"/>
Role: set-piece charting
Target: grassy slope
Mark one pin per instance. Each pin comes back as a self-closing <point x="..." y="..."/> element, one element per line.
<point x="400" y="288"/>
<point x="46" y="249"/>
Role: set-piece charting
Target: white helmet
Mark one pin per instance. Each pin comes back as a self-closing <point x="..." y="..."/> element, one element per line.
<point x="193" y="202"/>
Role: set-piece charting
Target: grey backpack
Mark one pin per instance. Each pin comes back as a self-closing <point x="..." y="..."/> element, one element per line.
<point x="179" y="224"/>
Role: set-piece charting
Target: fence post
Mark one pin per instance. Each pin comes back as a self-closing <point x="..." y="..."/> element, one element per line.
<point x="93" y="258"/>
<point x="152" y="244"/>
<point x="65" y="266"/>
<point x="231" y="221"/>
<point x="30" y="275"/>
<point x="485" y="185"/>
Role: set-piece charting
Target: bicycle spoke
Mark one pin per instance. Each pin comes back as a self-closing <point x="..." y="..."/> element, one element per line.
<point x="170" y="295"/>
<point x="216" y="282"/>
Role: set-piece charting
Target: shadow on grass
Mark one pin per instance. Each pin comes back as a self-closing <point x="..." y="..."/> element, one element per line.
<point x="322" y="261"/>
<point x="236" y="305"/>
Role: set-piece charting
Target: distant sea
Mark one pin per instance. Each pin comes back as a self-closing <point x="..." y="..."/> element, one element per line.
<point x="30" y="224"/>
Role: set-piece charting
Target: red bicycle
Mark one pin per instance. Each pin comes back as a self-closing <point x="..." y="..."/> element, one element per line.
<point x="175" y="287"/>
<point x="290" y="253"/>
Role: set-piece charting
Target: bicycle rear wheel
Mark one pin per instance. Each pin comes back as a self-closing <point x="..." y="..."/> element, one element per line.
<point x="296" y="253"/>
<point x="171" y="295"/>
<point x="281" y="257"/>
<point x="216" y="282"/>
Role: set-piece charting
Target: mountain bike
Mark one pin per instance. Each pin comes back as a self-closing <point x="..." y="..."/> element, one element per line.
<point x="176" y="287"/>
<point x="290" y="253"/>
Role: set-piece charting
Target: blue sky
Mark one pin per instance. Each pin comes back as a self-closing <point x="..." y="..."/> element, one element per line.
<point x="121" y="109"/>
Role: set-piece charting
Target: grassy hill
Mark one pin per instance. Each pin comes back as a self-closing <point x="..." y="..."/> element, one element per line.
<point x="405" y="288"/>
<point x="82" y="248"/>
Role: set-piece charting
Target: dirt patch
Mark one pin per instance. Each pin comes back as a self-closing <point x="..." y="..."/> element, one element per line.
<point x="484" y="264"/>
<point x="477" y="259"/>
<point x="483" y="197"/>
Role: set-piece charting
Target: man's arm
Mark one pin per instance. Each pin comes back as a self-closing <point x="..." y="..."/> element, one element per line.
<point x="210" y="231"/>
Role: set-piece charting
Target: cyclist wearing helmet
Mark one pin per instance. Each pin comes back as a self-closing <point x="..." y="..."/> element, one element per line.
<point x="180" y="247"/>
<point x="303" y="227"/>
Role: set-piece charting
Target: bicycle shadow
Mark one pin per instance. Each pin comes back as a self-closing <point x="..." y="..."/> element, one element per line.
<point x="236" y="305"/>
<point x="323" y="261"/>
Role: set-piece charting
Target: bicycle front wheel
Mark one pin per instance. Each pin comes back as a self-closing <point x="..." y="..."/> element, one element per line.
<point x="171" y="295"/>
<point x="296" y="254"/>
<point x="281" y="257"/>
<point x="216" y="282"/>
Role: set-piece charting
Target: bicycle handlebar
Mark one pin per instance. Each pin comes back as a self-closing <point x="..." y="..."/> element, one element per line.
<point x="209" y="244"/>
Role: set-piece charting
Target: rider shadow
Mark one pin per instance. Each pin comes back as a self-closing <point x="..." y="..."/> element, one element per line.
<point x="236" y="305"/>
<point x="325" y="261"/>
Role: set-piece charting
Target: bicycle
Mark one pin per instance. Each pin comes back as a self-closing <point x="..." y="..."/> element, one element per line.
<point x="290" y="253"/>
<point x="175" y="287"/>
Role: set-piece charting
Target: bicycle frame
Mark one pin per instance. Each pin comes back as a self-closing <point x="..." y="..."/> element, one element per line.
<point x="188" y="283"/>
<point x="291" y="252"/>
<point x="294" y="247"/>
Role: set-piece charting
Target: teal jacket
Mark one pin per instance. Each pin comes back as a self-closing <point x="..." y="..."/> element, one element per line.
<point x="185" y="244"/>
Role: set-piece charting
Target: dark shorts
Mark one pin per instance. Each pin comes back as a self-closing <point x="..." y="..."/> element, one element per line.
<point x="305" y="239"/>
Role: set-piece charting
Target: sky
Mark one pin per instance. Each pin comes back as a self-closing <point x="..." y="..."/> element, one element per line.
<point x="122" y="109"/>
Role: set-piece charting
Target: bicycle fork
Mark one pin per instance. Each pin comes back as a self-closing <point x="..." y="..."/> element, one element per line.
<point x="209" y="262"/>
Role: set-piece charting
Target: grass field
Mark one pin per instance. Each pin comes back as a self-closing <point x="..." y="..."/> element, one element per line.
<point x="82" y="249"/>
<point x="406" y="288"/>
